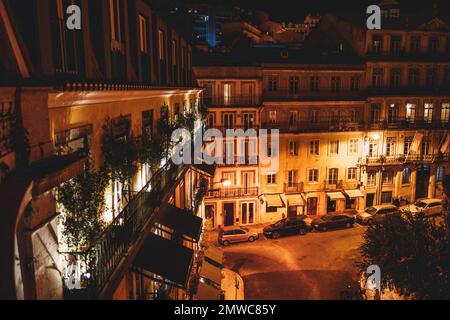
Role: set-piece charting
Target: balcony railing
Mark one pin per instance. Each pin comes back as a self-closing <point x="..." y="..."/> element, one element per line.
<point x="410" y="124"/>
<point x="239" y="161"/>
<point x="401" y="159"/>
<point x="104" y="256"/>
<point x="329" y="185"/>
<point x="293" y="187"/>
<point x="232" y="193"/>
<point x="344" y="124"/>
<point x="232" y="101"/>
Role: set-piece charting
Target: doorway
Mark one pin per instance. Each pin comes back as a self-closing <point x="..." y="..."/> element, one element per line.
<point x="369" y="199"/>
<point x="292" y="212"/>
<point x="228" y="212"/>
<point x="210" y="211"/>
<point x="331" y="205"/>
<point x="311" y="204"/>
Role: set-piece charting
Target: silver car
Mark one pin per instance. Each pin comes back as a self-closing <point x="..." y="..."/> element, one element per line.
<point x="230" y="235"/>
<point x="425" y="207"/>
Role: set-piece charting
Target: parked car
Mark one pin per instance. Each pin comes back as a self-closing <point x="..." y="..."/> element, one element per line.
<point x="376" y="213"/>
<point x="334" y="221"/>
<point x="425" y="207"/>
<point x="286" y="227"/>
<point x="230" y="235"/>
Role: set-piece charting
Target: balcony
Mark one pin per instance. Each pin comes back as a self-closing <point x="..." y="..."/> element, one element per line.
<point x="224" y="129"/>
<point x="232" y="193"/>
<point x="401" y="159"/>
<point x="343" y="124"/>
<point x="322" y="95"/>
<point x="239" y="161"/>
<point x="333" y="185"/>
<point x="104" y="257"/>
<point x="293" y="187"/>
<point x="412" y="124"/>
<point x="233" y="101"/>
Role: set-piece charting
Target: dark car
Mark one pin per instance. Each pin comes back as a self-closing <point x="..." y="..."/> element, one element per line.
<point x="286" y="227"/>
<point x="334" y="221"/>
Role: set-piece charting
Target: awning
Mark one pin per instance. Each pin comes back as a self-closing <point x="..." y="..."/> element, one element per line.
<point x="336" y="196"/>
<point x="206" y="292"/>
<point x="214" y="256"/>
<point x="355" y="193"/>
<point x="295" y="200"/>
<point x="181" y="221"/>
<point x="274" y="200"/>
<point x="211" y="272"/>
<point x="165" y="259"/>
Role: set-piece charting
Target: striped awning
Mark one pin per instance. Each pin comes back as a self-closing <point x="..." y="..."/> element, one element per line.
<point x="336" y="196"/>
<point x="274" y="201"/>
<point x="354" y="193"/>
<point x="295" y="200"/>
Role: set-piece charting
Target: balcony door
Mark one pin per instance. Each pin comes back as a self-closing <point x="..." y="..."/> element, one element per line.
<point x="228" y="93"/>
<point x="228" y="213"/>
<point x="249" y="119"/>
<point x="248" y="181"/>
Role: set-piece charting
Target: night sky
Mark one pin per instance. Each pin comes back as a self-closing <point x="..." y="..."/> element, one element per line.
<point x="294" y="10"/>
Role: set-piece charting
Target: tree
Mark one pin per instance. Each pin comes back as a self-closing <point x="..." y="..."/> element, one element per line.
<point x="413" y="254"/>
<point x="151" y="150"/>
<point x="83" y="200"/>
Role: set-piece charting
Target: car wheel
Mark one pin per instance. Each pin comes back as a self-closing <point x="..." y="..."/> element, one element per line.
<point x="302" y="232"/>
<point x="349" y="225"/>
<point x="323" y="228"/>
<point x="226" y="243"/>
<point x="275" y="235"/>
<point x="251" y="239"/>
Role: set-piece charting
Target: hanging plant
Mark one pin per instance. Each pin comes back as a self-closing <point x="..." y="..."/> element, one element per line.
<point x="119" y="151"/>
<point x="83" y="201"/>
<point x="151" y="151"/>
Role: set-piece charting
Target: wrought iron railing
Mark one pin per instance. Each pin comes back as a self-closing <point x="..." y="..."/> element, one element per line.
<point x="104" y="256"/>
<point x="402" y="158"/>
<point x="232" y="192"/>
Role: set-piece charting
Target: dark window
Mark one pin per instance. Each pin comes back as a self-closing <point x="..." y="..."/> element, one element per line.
<point x="335" y="84"/>
<point x="314" y="83"/>
<point x="433" y="45"/>
<point x="354" y="83"/>
<point x="396" y="42"/>
<point x="415" y="45"/>
<point x="273" y="83"/>
<point x="413" y="77"/>
<point x="374" y="113"/>
<point x="294" y="84"/>
<point x="395" y="78"/>
<point x="377" y="78"/>
<point x="147" y="123"/>
<point x="431" y="78"/>
<point x="377" y="44"/>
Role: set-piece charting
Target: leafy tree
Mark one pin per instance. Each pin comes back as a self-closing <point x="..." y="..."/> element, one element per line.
<point x="83" y="199"/>
<point x="151" y="150"/>
<point x="413" y="254"/>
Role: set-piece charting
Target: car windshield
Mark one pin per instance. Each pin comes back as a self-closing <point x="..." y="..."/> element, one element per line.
<point x="279" y="223"/>
<point x="420" y="204"/>
<point x="371" y="210"/>
<point x="245" y="229"/>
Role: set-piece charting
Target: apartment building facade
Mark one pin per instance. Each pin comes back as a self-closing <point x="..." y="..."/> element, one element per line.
<point x="363" y="117"/>
<point x="72" y="96"/>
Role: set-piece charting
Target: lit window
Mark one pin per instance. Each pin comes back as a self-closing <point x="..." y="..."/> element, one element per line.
<point x="445" y="112"/>
<point x="388" y="177"/>
<point x="428" y="112"/>
<point x="293" y="148"/>
<point x="371" y="178"/>
<point x="410" y="112"/>
<point x="390" y="146"/>
<point x="143" y="34"/>
<point x="333" y="176"/>
<point x="273" y="116"/>
<point x="161" y="45"/>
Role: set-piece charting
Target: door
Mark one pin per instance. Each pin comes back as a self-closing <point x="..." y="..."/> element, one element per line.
<point x="331" y="205"/>
<point x="369" y="199"/>
<point x="228" y="212"/>
<point x="240" y="235"/>
<point x="423" y="177"/>
<point x="210" y="214"/>
<point x="292" y="212"/>
<point x="228" y="94"/>
<point x="312" y="206"/>
<point x="248" y="213"/>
